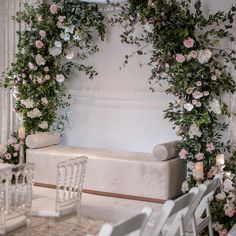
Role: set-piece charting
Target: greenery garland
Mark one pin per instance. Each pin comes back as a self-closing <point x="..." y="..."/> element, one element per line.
<point x="44" y="60"/>
<point x="185" y="51"/>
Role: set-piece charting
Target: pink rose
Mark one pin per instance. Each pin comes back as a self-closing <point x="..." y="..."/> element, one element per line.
<point x="42" y="33"/>
<point x="210" y="147"/>
<point x="199" y="156"/>
<point x="194" y="101"/>
<point x="189" y="90"/>
<point x="61" y="18"/>
<point x="47" y="77"/>
<point x="180" y="58"/>
<point x="223" y="232"/>
<point x="188" y="43"/>
<point x="193" y="54"/>
<point x="229" y="211"/>
<point x="46" y="69"/>
<point x="39" y="44"/>
<point x="15" y="154"/>
<point x="197" y="95"/>
<point x="205" y="93"/>
<point x="11" y="140"/>
<point x="210" y="174"/>
<point x="198" y="104"/>
<point x="17" y="146"/>
<point x="53" y="9"/>
<point x="60" y="78"/>
<point x="8" y="156"/>
<point x="183" y="153"/>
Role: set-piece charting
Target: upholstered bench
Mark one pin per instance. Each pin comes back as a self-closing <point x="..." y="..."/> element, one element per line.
<point x="131" y="175"/>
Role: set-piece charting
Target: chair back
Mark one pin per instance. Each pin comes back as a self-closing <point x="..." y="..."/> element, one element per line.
<point x="70" y="179"/>
<point x="208" y="194"/>
<point x="5" y="178"/>
<point x="133" y="226"/>
<point x="16" y="194"/>
<point x="22" y="179"/>
<point x="175" y="213"/>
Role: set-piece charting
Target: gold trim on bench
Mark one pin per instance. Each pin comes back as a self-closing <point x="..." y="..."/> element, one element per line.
<point x="108" y="194"/>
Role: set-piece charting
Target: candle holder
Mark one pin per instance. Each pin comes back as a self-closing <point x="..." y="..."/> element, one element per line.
<point x="22" y="152"/>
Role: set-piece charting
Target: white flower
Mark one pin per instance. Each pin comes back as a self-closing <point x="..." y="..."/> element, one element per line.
<point x="28" y="103"/>
<point x="220" y="196"/>
<point x="188" y="106"/>
<point x="70" y="54"/>
<point x="44" y="100"/>
<point x="217" y="226"/>
<point x="65" y="36"/>
<point x="190" y="165"/>
<point x="43" y="125"/>
<point x="31" y="65"/>
<point x="54" y="51"/>
<point x="204" y="56"/>
<point x="40" y="61"/>
<point x="214" y="106"/>
<point x="40" y="80"/>
<point x="194" y="131"/>
<point x="59" y="25"/>
<point x="3" y="149"/>
<point x="34" y="113"/>
<point x="58" y="44"/>
<point x="149" y="27"/>
<point x="185" y="187"/>
<point x="60" y="78"/>
<point x="228" y="185"/>
<point x="197" y="94"/>
<point x="69" y="29"/>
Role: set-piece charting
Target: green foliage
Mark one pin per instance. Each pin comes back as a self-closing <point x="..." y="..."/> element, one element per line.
<point x="44" y="59"/>
<point x="184" y="44"/>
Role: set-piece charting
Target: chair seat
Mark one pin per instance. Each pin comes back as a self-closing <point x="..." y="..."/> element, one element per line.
<point x="14" y="224"/>
<point x="44" y="204"/>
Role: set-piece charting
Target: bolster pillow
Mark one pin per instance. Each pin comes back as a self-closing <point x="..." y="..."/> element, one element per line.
<point x="42" y="139"/>
<point x="165" y="151"/>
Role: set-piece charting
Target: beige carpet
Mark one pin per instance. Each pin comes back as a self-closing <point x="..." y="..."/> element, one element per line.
<point x="64" y="227"/>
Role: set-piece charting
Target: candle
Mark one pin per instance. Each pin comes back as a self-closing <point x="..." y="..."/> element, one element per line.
<point x="198" y="171"/>
<point x="21" y="132"/>
<point x="220" y="160"/>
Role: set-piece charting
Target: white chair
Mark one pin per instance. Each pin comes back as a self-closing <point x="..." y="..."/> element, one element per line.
<point x="16" y="196"/>
<point x="175" y="213"/>
<point x="133" y="226"/>
<point x="67" y="197"/>
<point x="202" y="218"/>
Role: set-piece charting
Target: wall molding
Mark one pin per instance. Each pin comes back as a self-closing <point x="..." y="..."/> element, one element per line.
<point x="120" y="99"/>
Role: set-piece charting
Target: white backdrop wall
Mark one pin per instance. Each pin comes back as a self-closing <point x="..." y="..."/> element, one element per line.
<point x="116" y="110"/>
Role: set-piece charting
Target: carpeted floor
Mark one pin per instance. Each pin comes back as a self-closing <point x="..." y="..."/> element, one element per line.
<point x="63" y="227"/>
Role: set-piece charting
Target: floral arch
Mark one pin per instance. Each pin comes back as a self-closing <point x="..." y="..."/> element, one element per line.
<point x="184" y="53"/>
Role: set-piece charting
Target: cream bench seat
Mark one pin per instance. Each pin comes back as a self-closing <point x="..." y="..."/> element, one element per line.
<point x="131" y="175"/>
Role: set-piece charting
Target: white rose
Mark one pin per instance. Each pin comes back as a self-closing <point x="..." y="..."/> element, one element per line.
<point x="190" y="165"/>
<point x="197" y="94"/>
<point x="60" y="78"/>
<point x="65" y="36"/>
<point x="55" y="51"/>
<point x="188" y="106"/>
<point x="70" y="54"/>
<point x="31" y="65"/>
<point x="194" y="131"/>
<point x="220" y="196"/>
<point x="149" y="27"/>
<point x="58" y="44"/>
<point x="228" y="185"/>
<point x="34" y="113"/>
<point x="69" y="29"/>
<point x="214" y="106"/>
<point x="44" y="100"/>
<point x="185" y="187"/>
<point x="3" y="149"/>
<point x="40" y="61"/>
<point x="43" y="125"/>
<point x="28" y="103"/>
<point x="204" y="56"/>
